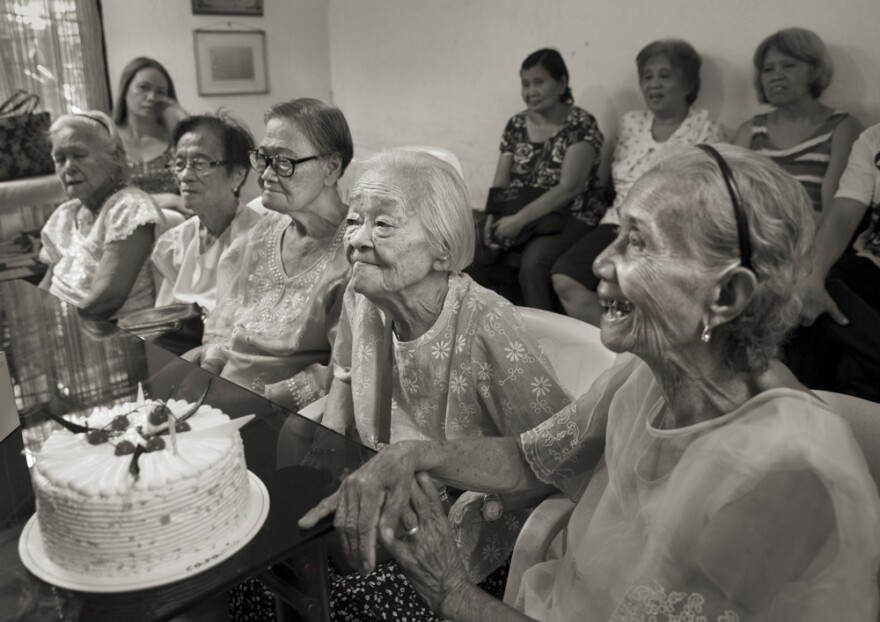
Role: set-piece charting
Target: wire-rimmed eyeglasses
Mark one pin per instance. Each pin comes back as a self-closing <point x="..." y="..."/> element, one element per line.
<point x="283" y="166"/>
<point x="197" y="165"/>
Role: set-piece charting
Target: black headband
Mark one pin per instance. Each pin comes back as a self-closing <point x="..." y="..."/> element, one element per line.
<point x="742" y="223"/>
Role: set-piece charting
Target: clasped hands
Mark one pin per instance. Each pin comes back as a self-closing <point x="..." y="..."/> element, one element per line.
<point x="502" y="233"/>
<point x="385" y="501"/>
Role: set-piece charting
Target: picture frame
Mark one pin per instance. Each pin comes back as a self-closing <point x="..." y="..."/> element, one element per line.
<point x="227" y="7"/>
<point x="231" y="62"/>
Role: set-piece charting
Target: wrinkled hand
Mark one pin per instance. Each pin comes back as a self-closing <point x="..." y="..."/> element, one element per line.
<point x="508" y="228"/>
<point x="429" y="557"/>
<point x="817" y="301"/>
<point x="374" y="497"/>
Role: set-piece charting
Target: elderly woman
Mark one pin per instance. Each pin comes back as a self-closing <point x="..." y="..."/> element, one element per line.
<point x="722" y="492"/>
<point x="669" y="78"/>
<point x="423" y="352"/>
<point x="97" y="243"/>
<point x="807" y="138"/>
<point x="552" y="145"/>
<point x="272" y="332"/>
<point x="211" y="163"/>
<point x="146" y="112"/>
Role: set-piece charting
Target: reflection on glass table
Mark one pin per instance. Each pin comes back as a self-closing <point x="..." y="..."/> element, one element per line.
<point x="63" y="365"/>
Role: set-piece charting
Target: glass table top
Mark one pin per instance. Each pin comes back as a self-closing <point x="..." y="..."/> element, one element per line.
<point x="61" y="363"/>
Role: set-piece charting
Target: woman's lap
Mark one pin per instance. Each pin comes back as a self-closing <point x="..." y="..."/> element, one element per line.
<point x="577" y="262"/>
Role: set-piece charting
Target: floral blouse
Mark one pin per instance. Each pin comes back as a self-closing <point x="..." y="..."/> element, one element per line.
<point x="704" y="522"/>
<point x="153" y="176"/>
<point x="637" y="151"/>
<point x="273" y="327"/>
<point x="475" y="372"/>
<point x="539" y="165"/>
<point x="75" y="238"/>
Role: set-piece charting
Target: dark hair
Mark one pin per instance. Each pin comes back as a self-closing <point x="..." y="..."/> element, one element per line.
<point x="552" y="62"/>
<point x="234" y="136"/>
<point x="120" y="110"/>
<point x="322" y="123"/>
<point x="683" y="58"/>
<point x="803" y="45"/>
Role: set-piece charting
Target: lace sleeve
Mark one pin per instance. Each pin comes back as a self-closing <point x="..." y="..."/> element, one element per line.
<point x="564" y="449"/>
<point x="129" y="209"/>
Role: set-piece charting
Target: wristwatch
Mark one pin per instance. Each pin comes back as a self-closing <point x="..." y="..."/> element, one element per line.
<point x="492" y="507"/>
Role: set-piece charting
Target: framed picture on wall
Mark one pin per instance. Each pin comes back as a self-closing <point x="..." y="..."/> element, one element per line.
<point x="231" y="62"/>
<point x="227" y="7"/>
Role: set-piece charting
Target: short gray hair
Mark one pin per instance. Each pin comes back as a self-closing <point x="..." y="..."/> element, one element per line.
<point x="102" y="127"/>
<point x="322" y="123"/>
<point x="435" y="192"/>
<point x="781" y="229"/>
<point x="803" y="45"/>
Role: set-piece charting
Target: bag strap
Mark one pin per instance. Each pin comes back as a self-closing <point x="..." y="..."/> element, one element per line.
<point x="20" y="102"/>
<point x="383" y="392"/>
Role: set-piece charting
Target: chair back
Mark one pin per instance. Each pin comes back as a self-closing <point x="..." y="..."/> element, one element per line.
<point x="573" y="347"/>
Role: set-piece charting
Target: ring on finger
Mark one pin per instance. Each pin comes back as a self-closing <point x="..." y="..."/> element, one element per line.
<point x="412" y="531"/>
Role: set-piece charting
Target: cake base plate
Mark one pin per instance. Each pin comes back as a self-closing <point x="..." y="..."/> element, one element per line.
<point x="33" y="554"/>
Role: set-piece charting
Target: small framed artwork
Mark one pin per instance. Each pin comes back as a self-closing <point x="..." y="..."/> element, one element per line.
<point x="227" y="7"/>
<point x="231" y="62"/>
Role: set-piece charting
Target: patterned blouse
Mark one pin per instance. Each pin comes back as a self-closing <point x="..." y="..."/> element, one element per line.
<point x="637" y="151"/>
<point x="273" y="327"/>
<point x="75" y="238"/>
<point x="806" y="161"/>
<point x="539" y="165"/>
<point x="153" y="176"/>
<point x="475" y="372"/>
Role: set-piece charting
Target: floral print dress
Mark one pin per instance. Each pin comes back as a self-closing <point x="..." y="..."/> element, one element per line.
<point x="475" y="372"/>
<point x="539" y="165"/>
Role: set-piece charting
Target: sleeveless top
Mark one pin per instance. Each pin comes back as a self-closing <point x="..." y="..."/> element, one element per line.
<point x="153" y="176"/>
<point x="807" y="161"/>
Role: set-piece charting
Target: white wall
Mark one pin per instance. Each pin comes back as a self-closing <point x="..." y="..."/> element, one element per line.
<point x="445" y="73"/>
<point x="297" y="49"/>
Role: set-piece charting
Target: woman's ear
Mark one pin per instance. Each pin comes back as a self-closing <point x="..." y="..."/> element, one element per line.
<point x="442" y="264"/>
<point x="732" y="294"/>
<point x="238" y="176"/>
<point x="334" y="169"/>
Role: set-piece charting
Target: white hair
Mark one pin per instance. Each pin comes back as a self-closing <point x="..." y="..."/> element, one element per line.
<point x="102" y="127"/>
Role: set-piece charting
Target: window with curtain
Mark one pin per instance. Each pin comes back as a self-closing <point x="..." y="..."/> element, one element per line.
<point x="54" y="48"/>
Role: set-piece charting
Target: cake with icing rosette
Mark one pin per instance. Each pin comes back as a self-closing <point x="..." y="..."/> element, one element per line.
<point x="147" y="484"/>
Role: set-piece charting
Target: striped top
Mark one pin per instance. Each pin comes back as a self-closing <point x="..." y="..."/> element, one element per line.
<point x="807" y="161"/>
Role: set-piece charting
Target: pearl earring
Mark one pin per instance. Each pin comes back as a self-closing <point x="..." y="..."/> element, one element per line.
<point x="706" y="335"/>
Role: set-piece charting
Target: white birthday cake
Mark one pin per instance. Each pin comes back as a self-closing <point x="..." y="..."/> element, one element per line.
<point x="149" y="484"/>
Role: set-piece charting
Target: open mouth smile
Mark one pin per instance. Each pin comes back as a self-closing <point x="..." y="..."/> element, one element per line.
<point x="614" y="309"/>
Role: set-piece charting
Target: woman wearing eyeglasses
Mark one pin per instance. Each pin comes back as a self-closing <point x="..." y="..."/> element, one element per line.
<point x="97" y="243"/>
<point x="211" y="164"/>
<point x="273" y="331"/>
<point x="709" y="484"/>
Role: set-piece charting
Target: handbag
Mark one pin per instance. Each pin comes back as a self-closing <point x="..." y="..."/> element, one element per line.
<point x="25" y="150"/>
<point x="185" y="321"/>
<point x="508" y="201"/>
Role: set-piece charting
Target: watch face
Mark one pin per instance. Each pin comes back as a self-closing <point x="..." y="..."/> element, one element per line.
<point x="492" y="508"/>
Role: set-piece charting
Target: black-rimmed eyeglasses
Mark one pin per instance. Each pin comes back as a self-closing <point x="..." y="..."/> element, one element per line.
<point x="742" y="222"/>
<point x="283" y="166"/>
<point x="197" y="165"/>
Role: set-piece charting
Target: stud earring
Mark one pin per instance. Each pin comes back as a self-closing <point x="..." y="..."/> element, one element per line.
<point x="706" y="335"/>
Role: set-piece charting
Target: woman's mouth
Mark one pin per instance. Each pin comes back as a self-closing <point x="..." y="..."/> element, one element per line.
<point x="614" y="309"/>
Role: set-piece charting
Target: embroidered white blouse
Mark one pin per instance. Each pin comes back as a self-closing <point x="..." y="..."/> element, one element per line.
<point x="75" y="238"/>
<point x="273" y="327"/>
<point x="637" y="151"/>
<point x="188" y="260"/>
<point x="767" y="513"/>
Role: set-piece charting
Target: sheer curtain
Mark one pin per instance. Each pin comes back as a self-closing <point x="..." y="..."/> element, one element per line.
<point x="54" y="48"/>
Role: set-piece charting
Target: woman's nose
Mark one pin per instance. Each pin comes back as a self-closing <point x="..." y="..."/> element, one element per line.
<point x="269" y="174"/>
<point x="603" y="266"/>
<point x="360" y="237"/>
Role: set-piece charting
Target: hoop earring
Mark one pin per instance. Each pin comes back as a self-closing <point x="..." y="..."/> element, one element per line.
<point x="706" y="335"/>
